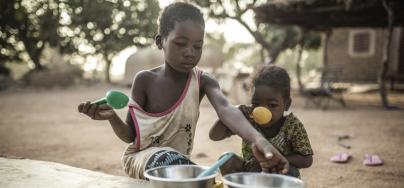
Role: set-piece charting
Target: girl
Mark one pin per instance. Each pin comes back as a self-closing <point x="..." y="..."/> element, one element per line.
<point x="271" y="89"/>
<point x="161" y="120"/>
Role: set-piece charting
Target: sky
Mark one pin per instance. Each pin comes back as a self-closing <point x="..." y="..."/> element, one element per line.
<point x="232" y="30"/>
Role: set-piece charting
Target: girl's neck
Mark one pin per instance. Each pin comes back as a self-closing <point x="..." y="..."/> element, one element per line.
<point x="172" y="73"/>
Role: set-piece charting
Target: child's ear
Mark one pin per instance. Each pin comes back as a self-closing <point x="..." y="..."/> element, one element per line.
<point x="288" y="103"/>
<point x="159" y="42"/>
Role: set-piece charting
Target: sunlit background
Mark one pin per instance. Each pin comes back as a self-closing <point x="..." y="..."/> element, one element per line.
<point x="83" y="38"/>
<point x="76" y="33"/>
<point x="232" y="31"/>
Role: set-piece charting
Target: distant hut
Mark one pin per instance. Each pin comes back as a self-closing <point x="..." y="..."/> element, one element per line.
<point x="359" y="35"/>
<point x="358" y="52"/>
<point x="142" y="59"/>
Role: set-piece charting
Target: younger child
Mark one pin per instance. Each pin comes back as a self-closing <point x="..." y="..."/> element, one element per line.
<point x="271" y="89"/>
<point x="161" y="121"/>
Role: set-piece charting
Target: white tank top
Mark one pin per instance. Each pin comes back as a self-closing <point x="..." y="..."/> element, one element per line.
<point x="174" y="127"/>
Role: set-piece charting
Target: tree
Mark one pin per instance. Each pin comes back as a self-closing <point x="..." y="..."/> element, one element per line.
<point x="217" y="41"/>
<point x="107" y="27"/>
<point x="101" y="26"/>
<point x="27" y="27"/>
<point x="273" y="38"/>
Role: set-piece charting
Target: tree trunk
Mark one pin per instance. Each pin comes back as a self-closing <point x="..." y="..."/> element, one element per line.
<point x="35" y="55"/>
<point x="299" y="58"/>
<point x="34" y="52"/>
<point x="276" y="50"/>
<point x="273" y="55"/>
<point x="326" y="38"/>
<point x="386" y="58"/>
<point x="107" y="69"/>
<point x="37" y="63"/>
<point x="262" y="55"/>
<point x="273" y="51"/>
<point x="30" y="44"/>
<point x="31" y="48"/>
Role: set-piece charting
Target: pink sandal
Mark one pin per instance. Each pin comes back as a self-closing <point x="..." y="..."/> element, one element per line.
<point x="341" y="157"/>
<point x="372" y="160"/>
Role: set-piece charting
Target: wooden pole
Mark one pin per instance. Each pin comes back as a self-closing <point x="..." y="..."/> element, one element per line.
<point x="386" y="58"/>
<point x="324" y="70"/>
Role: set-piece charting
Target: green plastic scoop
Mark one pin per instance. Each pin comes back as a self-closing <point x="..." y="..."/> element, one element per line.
<point x="115" y="99"/>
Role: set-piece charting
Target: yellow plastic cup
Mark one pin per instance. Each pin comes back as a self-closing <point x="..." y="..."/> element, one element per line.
<point x="261" y="115"/>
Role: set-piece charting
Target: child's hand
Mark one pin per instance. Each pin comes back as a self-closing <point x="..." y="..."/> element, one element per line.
<point x="97" y="112"/>
<point x="269" y="157"/>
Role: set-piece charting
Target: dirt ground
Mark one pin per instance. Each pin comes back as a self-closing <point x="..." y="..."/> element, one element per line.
<point x="45" y="125"/>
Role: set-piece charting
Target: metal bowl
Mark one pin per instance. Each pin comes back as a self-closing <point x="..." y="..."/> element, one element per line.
<point x="261" y="180"/>
<point x="179" y="176"/>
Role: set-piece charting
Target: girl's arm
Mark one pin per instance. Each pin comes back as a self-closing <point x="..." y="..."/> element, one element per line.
<point x="219" y="131"/>
<point x="105" y="112"/>
<point x="236" y="122"/>
<point x="300" y="161"/>
<point x="227" y="113"/>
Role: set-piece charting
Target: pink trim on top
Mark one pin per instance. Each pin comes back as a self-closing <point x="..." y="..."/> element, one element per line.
<point x="159" y="114"/>
<point x="136" y="125"/>
<point x="199" y="74"/>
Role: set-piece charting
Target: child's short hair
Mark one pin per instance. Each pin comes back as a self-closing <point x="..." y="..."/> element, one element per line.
<point x="178" y="12"/>
<point x="273" y="76"/>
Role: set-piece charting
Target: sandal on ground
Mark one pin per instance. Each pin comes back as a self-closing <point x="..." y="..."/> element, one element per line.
<point x="372" y="160"/>
<point x="341" y="157"/>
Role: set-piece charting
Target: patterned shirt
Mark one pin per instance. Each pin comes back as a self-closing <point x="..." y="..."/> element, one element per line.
<point x="291" y="138"/>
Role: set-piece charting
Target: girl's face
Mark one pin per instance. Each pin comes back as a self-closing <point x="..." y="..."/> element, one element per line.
<point x="272" y="99"/>
<point x="183" y="45"/>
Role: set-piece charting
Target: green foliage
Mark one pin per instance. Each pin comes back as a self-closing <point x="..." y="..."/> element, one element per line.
<point x="83" y="27"/>
<point x="27" y="26"/>
<point x="218" y="42"/>
<point x="273" y="38"/>
<point x="107" y="27"/>
<point x="110" y="26"/>
<point x="311" y="61"/>
<point x="312" y="40"/>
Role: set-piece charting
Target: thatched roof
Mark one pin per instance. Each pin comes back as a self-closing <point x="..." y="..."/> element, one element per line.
<point x="325" y="14"/>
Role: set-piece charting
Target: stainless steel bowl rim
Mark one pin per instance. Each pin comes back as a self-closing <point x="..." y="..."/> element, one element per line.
<point x="150" y="177"/>
<point x="227" y="182"/>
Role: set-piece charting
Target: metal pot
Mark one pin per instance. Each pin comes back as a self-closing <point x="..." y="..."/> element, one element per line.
<point x="261" y="180"/>
<point x="179" y="176"/>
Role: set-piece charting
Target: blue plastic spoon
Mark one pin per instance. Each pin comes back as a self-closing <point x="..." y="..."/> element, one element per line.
<point x="115" y="99"/>
<point x="223" y="159"/>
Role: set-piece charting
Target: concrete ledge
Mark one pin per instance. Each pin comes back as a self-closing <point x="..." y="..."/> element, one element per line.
<point x="31" y="173"/>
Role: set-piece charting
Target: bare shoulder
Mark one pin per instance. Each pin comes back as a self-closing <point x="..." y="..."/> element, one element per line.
<point x="140" y="83"/>
<point x="144" y="77"/>
<point x="208" y="81"/>
<point x="141" y="78"/>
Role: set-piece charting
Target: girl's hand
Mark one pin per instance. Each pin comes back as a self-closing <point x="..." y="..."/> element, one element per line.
<point x="97" y="112"/>
<point x="269" y="157"/>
